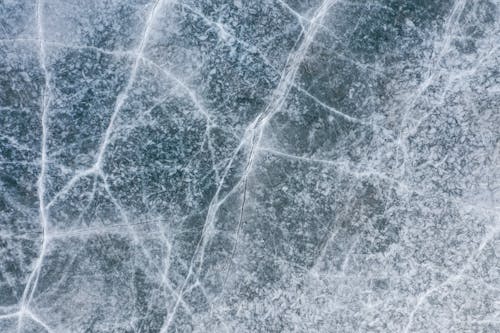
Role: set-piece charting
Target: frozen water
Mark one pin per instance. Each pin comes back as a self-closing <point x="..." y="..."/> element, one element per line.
<point x="249" y="166"/>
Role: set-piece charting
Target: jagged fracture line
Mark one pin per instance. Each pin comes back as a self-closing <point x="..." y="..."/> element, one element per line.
<point x="286" y="80"/>
<point x="215" y="203"/>
<point x="243" y="180"/>
<point x="32" y="282"/>
<point x="240" y="219"/>
<point x="120" y="100"/>
<point x="279" y="96"/>
<point x="207" y="228"/>
<point x="269" y="112"/>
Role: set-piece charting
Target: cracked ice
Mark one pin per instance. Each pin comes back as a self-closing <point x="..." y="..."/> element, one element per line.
<point x="249" y="166"/>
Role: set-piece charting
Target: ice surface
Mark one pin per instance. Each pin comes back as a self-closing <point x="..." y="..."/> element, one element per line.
<point x="249" y="166"/>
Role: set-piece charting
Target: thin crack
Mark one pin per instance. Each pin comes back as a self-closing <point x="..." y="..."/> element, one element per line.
<point x="256" y="128"/>
<point x="32" y="282"/>
<point x="120" y="100"/>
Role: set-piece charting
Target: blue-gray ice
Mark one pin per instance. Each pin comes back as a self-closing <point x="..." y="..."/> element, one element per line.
<point x="249" y="166"/>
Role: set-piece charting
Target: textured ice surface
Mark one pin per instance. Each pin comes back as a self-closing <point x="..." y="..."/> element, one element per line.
<point x="249" y="166"/>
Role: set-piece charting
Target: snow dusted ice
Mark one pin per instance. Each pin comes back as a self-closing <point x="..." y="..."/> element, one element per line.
<point x="249" y="166"/>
